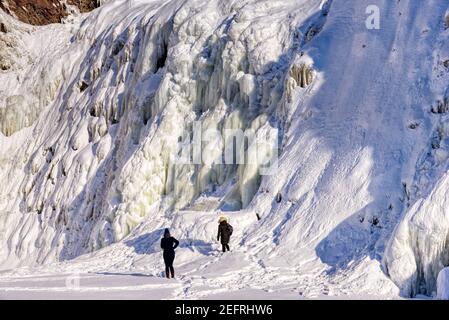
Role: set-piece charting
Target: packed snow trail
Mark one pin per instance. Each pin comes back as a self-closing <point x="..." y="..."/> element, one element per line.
<point x="91" y="125"/>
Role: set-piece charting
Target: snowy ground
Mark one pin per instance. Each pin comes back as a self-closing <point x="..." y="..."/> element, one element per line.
<point x="133" y="270"/>
<point x="136" y="287"/>
<point x="117" y="286"/>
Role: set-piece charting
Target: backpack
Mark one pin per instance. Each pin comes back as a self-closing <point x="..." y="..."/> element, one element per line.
<point x="230" y="229"/>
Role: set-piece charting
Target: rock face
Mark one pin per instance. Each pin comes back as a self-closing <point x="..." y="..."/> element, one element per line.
<point x="85" y="5"/>
<point x="35" y="12"/>
<point x="42" y="12"/>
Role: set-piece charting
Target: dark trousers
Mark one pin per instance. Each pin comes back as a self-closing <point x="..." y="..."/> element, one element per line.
<point x="225" y="247"/>
<point x="169" y="258"/>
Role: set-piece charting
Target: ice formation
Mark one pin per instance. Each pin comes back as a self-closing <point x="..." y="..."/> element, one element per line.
<point x="419" y="249"/>
<point x="134" y="86"/>
<point x="443" y="284"/>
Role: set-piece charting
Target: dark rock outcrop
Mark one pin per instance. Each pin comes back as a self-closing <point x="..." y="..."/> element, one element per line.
<point x="42" y="12"/>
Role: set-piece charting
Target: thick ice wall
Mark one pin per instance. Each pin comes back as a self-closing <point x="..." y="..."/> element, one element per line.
<point x="443" y="284"/>
<point x="206" y="85"/>
<point x="140" y="81"/>
<point x="419" y="248"/>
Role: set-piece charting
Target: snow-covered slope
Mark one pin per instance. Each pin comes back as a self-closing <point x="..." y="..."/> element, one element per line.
<point x="93" y="118"/>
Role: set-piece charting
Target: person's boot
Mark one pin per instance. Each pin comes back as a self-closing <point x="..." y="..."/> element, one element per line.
<point x="173" y="275"/>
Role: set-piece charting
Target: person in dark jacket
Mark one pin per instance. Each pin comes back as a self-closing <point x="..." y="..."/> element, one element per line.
<point x="169" y="244"/>
<point x="224" y="233"/>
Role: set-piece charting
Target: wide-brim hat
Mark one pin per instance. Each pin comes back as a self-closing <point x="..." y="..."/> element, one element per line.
<point x="222" y="218"/>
